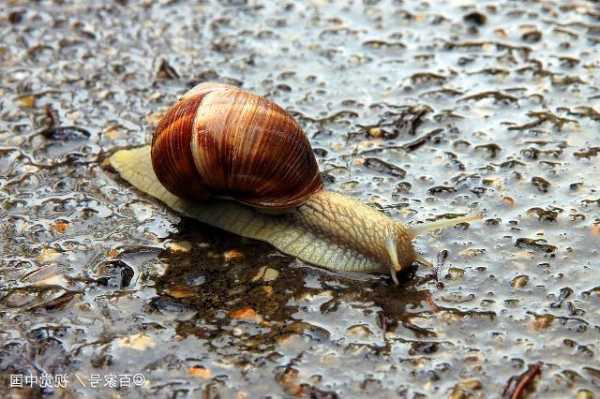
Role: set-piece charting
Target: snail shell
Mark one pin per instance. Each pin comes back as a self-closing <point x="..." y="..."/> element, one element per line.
<point x="221" y="141"/>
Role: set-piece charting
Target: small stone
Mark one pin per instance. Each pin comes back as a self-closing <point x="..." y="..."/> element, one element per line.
<point x="493" y="181"/>
<point x="233" y="255"/>
<point x="472" y="252"/>
<point x="29" y="169"/>
<point x="266" y="274"/>
<point x="237" y="332"/>
<point x="113" y="274"/>
<point x="464" y="389"/>
<point x="375" y="132"/>
<point x="520" y="281"/>
<point x="60" y="226"/>
<point x="113" y="253"/>
<point x="179" y="247"/>
<point x="455" y="273"/>
<point x="359" y="331"/>
<point x="27" y="101"/>
<point x="138" y="342"/>
<point x="270" y="275"/>
<point x="358" y="161"/>
<point x="542" y="322"/>
<point x="403" y="187"/>
<point x="104" y="94"/>
<point x="155" y="96"/>
<point x="509" y="201"/>
<point x="180" y="292"/>
<point x="245" y="313"/>
<point x="48" y="255"/>
<point x="200" y="372"/>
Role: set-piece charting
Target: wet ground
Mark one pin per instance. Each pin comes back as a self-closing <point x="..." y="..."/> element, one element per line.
<point x="421" y="109"/>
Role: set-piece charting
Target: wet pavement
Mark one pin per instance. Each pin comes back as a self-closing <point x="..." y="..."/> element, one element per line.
<point x="422" y="109"/>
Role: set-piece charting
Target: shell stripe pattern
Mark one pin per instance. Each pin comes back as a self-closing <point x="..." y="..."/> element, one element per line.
<point x="241" y="146"/>
<point x="171" y="152"/>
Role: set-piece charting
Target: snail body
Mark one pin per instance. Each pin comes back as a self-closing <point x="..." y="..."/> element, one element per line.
<point x="239" y="162"/>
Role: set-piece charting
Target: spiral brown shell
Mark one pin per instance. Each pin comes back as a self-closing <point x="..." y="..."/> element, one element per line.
<point x="218" y="140"/>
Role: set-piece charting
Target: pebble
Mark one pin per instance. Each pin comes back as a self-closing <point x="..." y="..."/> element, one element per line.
<point x="60" y="226"/>
<point x="233" y="255"/>
<point x="464" y="389"/>
<point x="472" y="252"/>
<point x="27" y="101"/>
<point x="266" y="274"/>
<point x="359" y="331"/>
<point x="179" y="247"/>
<point x="245" y="313"/>
<point x="375" y="132"/>
<point x="509" y="201"/>
<point x="180" y="292"/>
<point x="48" y="255"/>
<point x="455" y="273"/>
<point x="200" y="372"/>
<point x="519" y="281"/>
<point x="542" y="322"/>
<point x="138" y="342"/>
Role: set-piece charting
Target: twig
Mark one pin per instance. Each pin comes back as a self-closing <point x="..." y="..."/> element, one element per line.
<point x="408" y="147"/>
<point x="522" y="382"/>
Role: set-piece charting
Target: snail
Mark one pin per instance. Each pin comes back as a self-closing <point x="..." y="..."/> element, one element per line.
<point x="239" y="162"/>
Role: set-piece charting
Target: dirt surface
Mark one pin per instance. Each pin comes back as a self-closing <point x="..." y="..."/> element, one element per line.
<point x="423" y="109"/>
